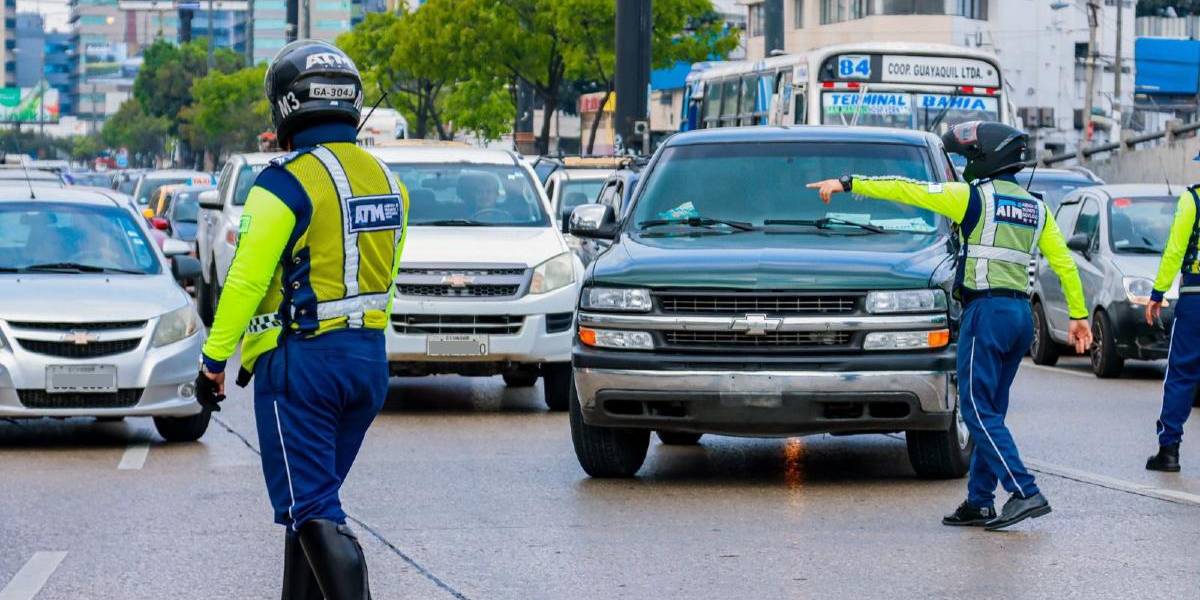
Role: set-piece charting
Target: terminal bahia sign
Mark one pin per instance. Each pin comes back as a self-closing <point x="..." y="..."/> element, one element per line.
<point x="28" y="105"/>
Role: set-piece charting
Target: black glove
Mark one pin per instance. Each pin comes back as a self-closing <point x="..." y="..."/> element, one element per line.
<point x="206" y="393"/>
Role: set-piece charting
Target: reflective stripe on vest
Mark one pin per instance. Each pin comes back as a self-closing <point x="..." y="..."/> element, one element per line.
<point x="350" y="307"/>
<point x="1001" y="246"/>
<point x="1002" y="254"/>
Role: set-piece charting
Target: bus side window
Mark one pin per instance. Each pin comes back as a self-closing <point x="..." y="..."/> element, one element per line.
<point x="798" y="114"/>
<point x="729" y="102"/>
<point x="712" y="105"/>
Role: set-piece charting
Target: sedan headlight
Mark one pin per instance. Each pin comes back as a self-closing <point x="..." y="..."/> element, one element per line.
<point x="616" y="299"/>
<point x="176" y="325"/>
<point x="1138" y="290"/>
<point x="614" y="338"/>
<point x="553" y="274"/>
<point x="902" y="301"/>
<point x="906" y="340"/>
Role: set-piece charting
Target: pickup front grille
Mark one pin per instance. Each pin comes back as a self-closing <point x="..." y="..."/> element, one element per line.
<point x="461" y="281"/>
<point x="77" y="326"/>
<point x="446" y="291"/>
<point x="73" y="350"/>
<point x="43" y="399"/>
<point x="719" y="340"/>
<point x="772" y="304"/>
<point x="461" y="324"/>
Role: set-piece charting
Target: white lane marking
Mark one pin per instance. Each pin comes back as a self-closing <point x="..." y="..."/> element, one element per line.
<point x="1032" y="365"/>
<point x="134" y="457"/>
<point x="1113" y="483"/>
<point x="33" y="576"/>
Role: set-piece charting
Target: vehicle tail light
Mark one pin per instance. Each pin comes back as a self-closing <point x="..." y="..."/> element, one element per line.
<point x="231" y="236"/>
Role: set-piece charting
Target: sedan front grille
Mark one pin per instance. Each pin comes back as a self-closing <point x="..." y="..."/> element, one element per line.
<point x="78" y="326"/>
<point x="460" y="324"/>
<point x="717" y="340"/>
<point x="739" y="303"/>
<point x="73" y="350"/>
<point x="43" y="399"/>
<point x="446" y="291"/>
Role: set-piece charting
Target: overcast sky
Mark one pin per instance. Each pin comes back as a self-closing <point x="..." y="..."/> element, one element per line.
<point x="55" y="11"/>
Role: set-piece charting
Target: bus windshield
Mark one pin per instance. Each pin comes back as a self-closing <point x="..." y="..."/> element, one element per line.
<point x="906" y="110"/>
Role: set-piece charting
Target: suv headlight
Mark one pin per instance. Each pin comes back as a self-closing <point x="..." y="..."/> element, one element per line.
<point x="616" y="299"/>
<point x="176" y="325"/>
<point x="1138" y="289"/>
<point x="553" y="274"/>
<point x="901" y="301"/>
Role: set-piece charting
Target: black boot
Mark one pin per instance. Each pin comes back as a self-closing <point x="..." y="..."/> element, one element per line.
<point x="337" y="560"/>
<point x="299" y="583"/>
<point x="1167" y="459"/>
<point x="969" y="516"/>
<point x="1018" y="509"/>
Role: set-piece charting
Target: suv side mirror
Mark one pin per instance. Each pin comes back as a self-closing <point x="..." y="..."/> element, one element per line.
<point x="597" y="221"/>
<point x="185" y="268"/>
<point x="210" y="199"/>
<point x="1080" y="243"/>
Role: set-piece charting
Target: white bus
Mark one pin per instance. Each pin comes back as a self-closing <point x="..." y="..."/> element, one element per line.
<point x="910" y="86"/>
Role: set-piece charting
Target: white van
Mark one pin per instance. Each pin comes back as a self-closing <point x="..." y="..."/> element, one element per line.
<point x="487" y="285"/>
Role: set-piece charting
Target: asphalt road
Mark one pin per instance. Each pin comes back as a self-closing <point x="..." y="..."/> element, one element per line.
<point x="465" y="489"/>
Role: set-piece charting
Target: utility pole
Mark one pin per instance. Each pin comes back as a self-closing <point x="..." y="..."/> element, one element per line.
<point x="293" y="21"/>
<point x="250" y="33"/>
<point x="1093" y="15"/>
<point x="633" y="74"/>
<point x="212" y="39"/>
<point x="306" y="20"/>
<point x="185" y="25"/>
<point x="772" y="27"/>
<point x="1118" y="74"/>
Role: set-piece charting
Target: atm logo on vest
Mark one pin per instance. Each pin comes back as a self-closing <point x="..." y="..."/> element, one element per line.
<point x="1016" y="211"/>
<point x="375" y="213"/>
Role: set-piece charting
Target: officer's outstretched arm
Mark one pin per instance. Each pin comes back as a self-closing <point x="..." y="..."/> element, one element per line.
<point x="1177" y="242"/>
<point x="265" y="229"/>
<point x="949" y="199"/>
<point x="1054" y="248"/>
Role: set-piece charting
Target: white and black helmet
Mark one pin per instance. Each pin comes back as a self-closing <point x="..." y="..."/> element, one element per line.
<point x="311" y="81"/>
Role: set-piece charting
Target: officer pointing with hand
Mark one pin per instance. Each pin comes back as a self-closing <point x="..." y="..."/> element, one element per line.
<point x="308" y="295"/>
<point x="1001" y="227"/>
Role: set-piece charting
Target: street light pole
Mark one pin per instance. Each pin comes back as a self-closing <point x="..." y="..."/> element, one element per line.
<point x="1118" y="73"/>
<point x="1093" y="15"/>
<point x="212" y="37"/>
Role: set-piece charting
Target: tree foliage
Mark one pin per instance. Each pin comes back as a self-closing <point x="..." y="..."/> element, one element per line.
<point x="228" y="112"/>
<point x="163" y="85"/>
<point x="144" y="135"/>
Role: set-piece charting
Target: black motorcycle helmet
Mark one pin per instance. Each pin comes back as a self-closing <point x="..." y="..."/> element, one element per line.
<point x="991" y="149"/>
<point x="309" y="82"/>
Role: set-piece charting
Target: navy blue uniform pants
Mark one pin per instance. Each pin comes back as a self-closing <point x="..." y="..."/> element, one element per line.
<point x="1183" y="370"/>
<point x="996" y="332"/>
<point x="313" y="402"/>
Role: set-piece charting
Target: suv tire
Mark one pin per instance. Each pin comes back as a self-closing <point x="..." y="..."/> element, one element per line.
<point x="1106" y="363"/>
<point x="941" y="454"/>
<point x="183" y="429"/>
<point x="1044" y="351"/>
<point x="558" y="384"/>
<point x="522" y="378"/>
<point x="606" y="452"/>
<point x="679" y="438"/>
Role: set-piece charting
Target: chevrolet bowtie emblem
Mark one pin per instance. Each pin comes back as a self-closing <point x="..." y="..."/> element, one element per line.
<point x="80" y="338"/>
<point x="458" y="280"/>
<point x="756" y="324"/>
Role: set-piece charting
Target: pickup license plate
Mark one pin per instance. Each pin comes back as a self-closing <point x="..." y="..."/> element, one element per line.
<point x="456" y="345"/>
<point x="96" y="379"/>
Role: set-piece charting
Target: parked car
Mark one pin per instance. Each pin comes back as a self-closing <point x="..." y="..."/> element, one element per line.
<point x="92" y="179"/>
<point x="569" y="187"/>
<point x="487" y="285"/>
<point x="616" y="192"/>
<point x="217" y="227"/>
<point x="95" y="322"/>
<point x="18" y="174"/>
<point x="1116" y="234"/>
<point x="1054" y="184"/>
<point x="733" y="301"/>
<point x="182" y="212"/>
<point x="148" y="183"/>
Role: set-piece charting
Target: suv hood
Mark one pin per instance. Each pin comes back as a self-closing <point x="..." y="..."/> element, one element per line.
<point x="87" y="298"/>
<point x="763" y="261"/>
<point x="529" y="246"/>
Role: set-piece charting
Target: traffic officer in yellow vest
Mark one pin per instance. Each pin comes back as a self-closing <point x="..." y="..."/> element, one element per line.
<point x="308" y="295"/>
<point x="1183" y="359"/>
<point x="1001" y="227"/>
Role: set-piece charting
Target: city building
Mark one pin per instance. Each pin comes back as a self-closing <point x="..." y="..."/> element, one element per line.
<point x="59" y="69"/>
<point x="1042" y="47"/>
<point x="8" y="41"/>
<point x="325" y="20"/>
<point x="30" y="50"/>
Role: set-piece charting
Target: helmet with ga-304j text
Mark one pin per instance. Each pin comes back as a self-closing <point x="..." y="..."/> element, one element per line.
<point x="991" y="148"/>
<point x="311" y="82"/>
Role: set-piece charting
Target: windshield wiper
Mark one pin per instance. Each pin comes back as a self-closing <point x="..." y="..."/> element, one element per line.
<point x="74" y="266"/>
<point x="825" y="223"/>
<point x="698" y="222"/>
<point x="1140" y="250"/>
<point x="453" y="222"/>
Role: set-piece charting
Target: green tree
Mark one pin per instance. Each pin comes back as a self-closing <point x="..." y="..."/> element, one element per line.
<point x="228" y="112"/>
<point x="143" y="135"/>
<point x="163" y="85"/>
<point x="85" y="148"/>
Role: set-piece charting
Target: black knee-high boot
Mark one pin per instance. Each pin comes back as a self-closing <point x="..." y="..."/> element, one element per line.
<point x="299" y="583"/>
<point x="337" y="560"/>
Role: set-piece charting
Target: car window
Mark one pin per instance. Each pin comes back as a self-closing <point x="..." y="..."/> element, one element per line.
<point x="1088" y="222"/>
<point x="1054" y="188"/>
<point x="580" y="192"/>
<point x="614" y="199"/>
<point x="48" y="232"/>
<point x="247" y="175"/>
<point x="186" y="207"/>
<point x="471" y="194"/>
<point x="1140" y="225"/>
<point x="1065" y="218"/>
<point x="150" y="186"/>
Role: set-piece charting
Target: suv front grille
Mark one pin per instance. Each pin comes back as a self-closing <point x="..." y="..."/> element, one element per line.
<point x="446" y="291"/>
<point x="43" y="399"/>
<point x="718" y="340"/>
<point x="461" y="324"/>
<point x="73" y="350"/>
<point x="739" y="303"/>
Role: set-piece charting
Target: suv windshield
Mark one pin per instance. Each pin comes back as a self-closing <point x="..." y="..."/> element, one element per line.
<point x="186" y="207"/>
<point x="471" y="195"/>
<point x="1140" y="225"/>
<point x="59" y="237"/>
<point x="714" y="181"/>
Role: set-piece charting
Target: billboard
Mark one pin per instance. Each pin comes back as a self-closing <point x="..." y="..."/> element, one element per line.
<point x="28" y="105"/>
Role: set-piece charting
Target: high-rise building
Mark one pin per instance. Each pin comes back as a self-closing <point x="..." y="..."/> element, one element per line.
<point x="59" y="69"/>
<point x="8" y="41"/>
<point x="326" y="19"/>
<point x="30" y="50"/>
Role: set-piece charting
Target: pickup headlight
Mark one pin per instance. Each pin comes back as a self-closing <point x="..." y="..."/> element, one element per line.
<point x="1138" y="289"/>
<point x="616" y="299"/>
<point x="906" y="340"/>
<point x="553" y="274"/>
<point x="176" y="325"/>
<point x="902" y="301"/>
<point x="615" y="338"/>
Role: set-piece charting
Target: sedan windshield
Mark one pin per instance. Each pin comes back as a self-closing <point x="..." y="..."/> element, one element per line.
<point x="471" y="195"/>
<point x="186" y="207"/>
<point x="58" y="237"/>
<point x="763" y="184"/>
<point x="1140" y="225"/>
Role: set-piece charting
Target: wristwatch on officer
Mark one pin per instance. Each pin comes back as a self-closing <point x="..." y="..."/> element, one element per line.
<point x="847" y="182"/>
